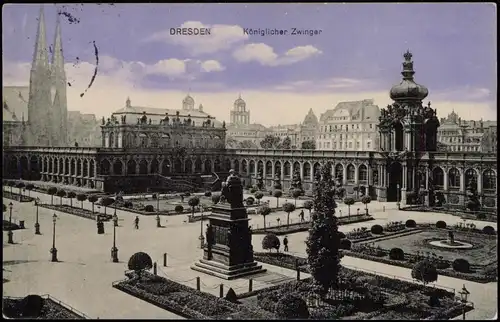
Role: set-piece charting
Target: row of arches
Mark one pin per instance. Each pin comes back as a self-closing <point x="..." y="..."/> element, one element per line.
<point x="161" y="140"/>
<point x="487" y="180"/>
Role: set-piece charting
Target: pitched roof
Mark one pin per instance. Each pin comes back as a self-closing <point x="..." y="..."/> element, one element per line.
<point x="15" y="103"/>
<point x="150" y="111"/>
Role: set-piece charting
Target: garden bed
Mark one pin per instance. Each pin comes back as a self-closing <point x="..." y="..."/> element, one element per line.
<point x="305" y="225"/>
<point x="489" y="216"/>
<point x="17" y="197"/>
<point x="9" y="226"/>
<point x="84" y="213"/>
<point x="51" y="309"/>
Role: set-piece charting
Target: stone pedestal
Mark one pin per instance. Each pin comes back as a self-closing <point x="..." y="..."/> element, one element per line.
<point x="403" y="197"/>
<point x="229" y="255"/>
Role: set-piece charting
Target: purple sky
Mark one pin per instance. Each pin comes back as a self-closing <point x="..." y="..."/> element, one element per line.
<point x="454" y="45"/>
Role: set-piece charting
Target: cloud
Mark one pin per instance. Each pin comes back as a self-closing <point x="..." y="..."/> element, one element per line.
<point x="338" y="84"/>
<point x="265" y="55"/>
<point x="467" y="93"/>
<point x="222" y="37"/>
<point x="211" y="66"/>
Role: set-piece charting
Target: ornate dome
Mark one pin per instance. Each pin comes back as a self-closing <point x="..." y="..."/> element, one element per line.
<point x="188" y="100"/>
<point x="408" y="89"/>
<point x="239" y="102"/>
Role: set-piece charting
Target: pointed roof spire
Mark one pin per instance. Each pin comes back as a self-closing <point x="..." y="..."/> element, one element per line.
<point x="57" y="50"/>
<point x="40" y="57"/>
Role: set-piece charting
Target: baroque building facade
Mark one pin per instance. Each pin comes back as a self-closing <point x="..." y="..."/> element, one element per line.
<point x="350" y="126"/>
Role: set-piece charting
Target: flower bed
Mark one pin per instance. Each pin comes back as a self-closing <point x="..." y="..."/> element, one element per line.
<point x="50" y="310"/>
<point x="17" y="197"/>
<point x="489" y="216"/>
<point x="363" y="234"/>
<point x="405" y="296"/>
<point x="304" y="226"/>
<point x="9" y="226"/>
<point x="185" y="301"/>
<point x="84" y="213"/>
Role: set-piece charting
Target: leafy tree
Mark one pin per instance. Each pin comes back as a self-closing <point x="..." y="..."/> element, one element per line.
<point x="52" y="191"/>
<point x="264" y="211"/>
<point x="291" y="307"/>
<point x="93" y="199"/>
<point x="349" y="202"/>
<point x="288" y="207"/>
<point x="323" y="241"/>
<point x="139" y="262"/>
<point x="425" y="272"/>
<point x="81" y="197"/>
<point x="61" y="194"/>
<point x="258" y="195"/>
<point x="29" y="187"/>
<point x="366" y="200"/>
<point x="106" y="202"/>
<point x="179" y="209"/>
<point x="270" y="142"/>
<point x="309" y="206"/>
<point x="295" y="194"/>
<point x="193" y="202"/>
<point x="271" y="241"/>
<point x="286" y="144"/>
<point x="71" y="195"/>
<point x="309" y="145"/>
<point x="247" y="144"/>
<point x="277" y="194"/>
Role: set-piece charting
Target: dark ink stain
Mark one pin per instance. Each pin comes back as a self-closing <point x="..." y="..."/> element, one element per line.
<point x="69" y="84"/>
<point x="96" y="51"/>
<point x="71" y="19"/>
<point x="50" y="49"/>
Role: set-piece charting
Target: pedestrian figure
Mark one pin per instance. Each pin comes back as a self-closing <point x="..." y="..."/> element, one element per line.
<point x="301" y="215"/>
<point x="136" y="222"/>
<point x="285" y="243"/>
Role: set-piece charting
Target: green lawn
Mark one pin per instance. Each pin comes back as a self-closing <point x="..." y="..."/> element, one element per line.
<point x="484" y="249"/>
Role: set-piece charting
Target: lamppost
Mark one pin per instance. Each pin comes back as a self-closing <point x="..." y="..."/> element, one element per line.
<point x="37" y="225"/>
<point x="397" y="196"/>
<point x="114" y="250"/>
<point x="115" y="222"/>
<point x="10" y="234"/>
<point x="464" y="294"/>
<point x="201" y="238"/>
<point x="53" y="250"/>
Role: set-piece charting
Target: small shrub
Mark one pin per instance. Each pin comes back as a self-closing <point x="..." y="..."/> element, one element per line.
<point x="410" y="223"/>
<point x="208" y="193"/>
<point x="179" y="208"/>
<point x="377" y="229"/>
<point x="140" y="261"/>
<point x="253" y="190"/>
<point x="461" y="265"/>
<point x="434" y="300"/>
<point x="345" y="244"/>
<point x="149" y="208"/>
<point x="128" y="204"/>
<point x="489" y="230"/>
<point x="31" y="306"/>
<point x="292" y="306"/>
<point x="231" y="296"/>
<point x="187" y="194"/>
<point x="481" y="216"/>
<point x="271" y="241"/>
<point x="215" y="198"/>
<point x="250" y="201"/>
<point x="441" y="224"/>
<point x="397" y="254"/>
<point x="425" y="272"/>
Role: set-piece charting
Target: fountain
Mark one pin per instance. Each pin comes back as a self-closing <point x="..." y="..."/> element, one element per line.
<point x="451" y="243"/>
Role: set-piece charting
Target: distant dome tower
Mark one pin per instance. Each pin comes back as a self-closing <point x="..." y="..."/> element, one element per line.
<point x="188" y="103"/>
<point x="311" y="119"/>
<point x="239" y="114"/>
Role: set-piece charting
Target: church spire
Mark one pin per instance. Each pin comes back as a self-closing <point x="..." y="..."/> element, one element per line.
<point x="57" y="51"/>
<point x="40" y="57"/>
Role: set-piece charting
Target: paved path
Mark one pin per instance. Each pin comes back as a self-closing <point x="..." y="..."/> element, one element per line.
<point x="83" y="278"/>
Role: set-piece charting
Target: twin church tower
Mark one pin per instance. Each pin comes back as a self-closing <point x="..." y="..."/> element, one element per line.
<point x="47" y="105"/>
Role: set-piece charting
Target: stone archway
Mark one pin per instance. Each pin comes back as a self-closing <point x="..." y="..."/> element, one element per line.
<point x="395" y="178"/>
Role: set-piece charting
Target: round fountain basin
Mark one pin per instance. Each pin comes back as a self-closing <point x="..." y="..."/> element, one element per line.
<point x="447" y="244"/>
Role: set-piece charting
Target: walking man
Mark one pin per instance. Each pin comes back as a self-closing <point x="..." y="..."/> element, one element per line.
<point x="301" y="215"/>
<point x="285" y="243"/>
<point x="136" y="222"/>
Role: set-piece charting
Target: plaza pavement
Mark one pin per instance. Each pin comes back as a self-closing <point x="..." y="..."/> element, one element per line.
<point x="83" y="277"/>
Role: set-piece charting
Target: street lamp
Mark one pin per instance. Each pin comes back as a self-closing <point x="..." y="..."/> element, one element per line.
<point x="464" y="294"/>
<point x="37" y="224"/>
<point x="115" y="222"/>
<point x="114" y="250"/>
<point x="201" y="238"/>
<point x="10" y="234"/>
<point x="53" y="250"/>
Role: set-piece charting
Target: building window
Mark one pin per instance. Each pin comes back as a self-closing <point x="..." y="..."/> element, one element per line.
<point x="454" y="178"/>
<point x="371" y="126"/>
<point x="334" y="145"/>
<point x="350" y="145"/>
<point x="362" y="173"/>
<point x="489" y="180"/>
<point x="351" y="173"/>
<point x="368" y="145"/>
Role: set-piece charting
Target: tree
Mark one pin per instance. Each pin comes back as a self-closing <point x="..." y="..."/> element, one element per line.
<point x="277" y="194"/>
<point x="291" y="307"/>
<point x="93" y="199"/>
<point x="270" y="142"/>
<point x="81" y="197"/>
<point x="366" y="200"/>
<point x="30" y="187"/>
<point x="271" y="241"/>
<point x="309" y="145"/>
<point x="52" y="191"/>
<point x="323" y="241"/>
<point x="71" y="195"/>
<point x="295" y="194"/>
<point x="309" y="206"/>
<point x="286" y="144"/>
<point x="61" y="194"/>
<point x="247" y="144"/>
<point x="349" y="202"/>
<point x="258" y="195"/>
<point x="288" y="207"/>
<point x="193" y="202"/>
<point x="179" y="209"/>
<point x="264" y="211"/>
<point x="139" y="262"/>
<point x="425" y="272"/>
<point x="106" y="202"/>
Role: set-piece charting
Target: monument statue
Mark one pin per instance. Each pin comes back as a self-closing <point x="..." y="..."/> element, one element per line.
<point x="296" y="181"/>
<point x="451" y="237"/>
<point x="277" y="182"/>
<point x="232" y="190"/>
<point x="260" y="180"/>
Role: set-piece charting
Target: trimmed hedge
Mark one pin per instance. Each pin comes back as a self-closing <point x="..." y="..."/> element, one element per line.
<point x="441" y="224"/>
<point x="489" y="230"/>
<point x="377" y="230"/>
<point x="397" y="254"/>
<point x="149" y="208"/>
<point x="410" y="223"/>
<point x="461" y="265"/>
<point x="345" y="244"/>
